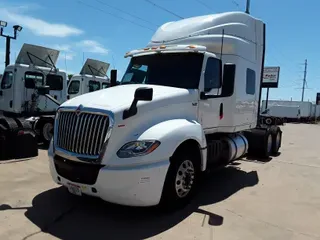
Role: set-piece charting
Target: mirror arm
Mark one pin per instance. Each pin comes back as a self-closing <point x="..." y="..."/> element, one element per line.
<point x="131" y="111"/>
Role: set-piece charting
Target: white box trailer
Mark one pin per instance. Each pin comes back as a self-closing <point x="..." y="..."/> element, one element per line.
<point x="287" y="113"/>
<point x="187" y="103"/>
<point x="305" y="107"/>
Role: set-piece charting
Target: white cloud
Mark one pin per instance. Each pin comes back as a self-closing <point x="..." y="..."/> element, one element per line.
<point x="69" y="56"/>
<point x="93" y="47"/>
<point x="38" y="26"/>
<point x="62" y="47"/>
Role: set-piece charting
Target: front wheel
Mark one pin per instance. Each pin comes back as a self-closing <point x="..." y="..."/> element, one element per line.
<point x="181" y="180"/>
<point x="46" y="132"/>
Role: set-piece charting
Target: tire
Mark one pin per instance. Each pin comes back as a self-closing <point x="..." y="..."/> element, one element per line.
<point x="46" y="131"/>
<point x="276" y="140"/>
<point x="8" y="123"/>
<point x="175" y="194"/>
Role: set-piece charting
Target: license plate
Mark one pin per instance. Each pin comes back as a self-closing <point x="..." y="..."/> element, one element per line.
<point x="74" y="189"/>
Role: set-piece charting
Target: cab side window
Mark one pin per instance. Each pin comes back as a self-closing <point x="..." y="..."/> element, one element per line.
<point x="94" y="86"/>
<point x="33" y="80"/>
<point x="212" y="76"/>
<point x="7" y="80"/>
<point x="74" y="87"/>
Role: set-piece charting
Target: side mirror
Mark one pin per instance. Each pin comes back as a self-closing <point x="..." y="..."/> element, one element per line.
<point x="143" y="94"/>
<point x="113" y="77"/>
<point x="43" y="90"/>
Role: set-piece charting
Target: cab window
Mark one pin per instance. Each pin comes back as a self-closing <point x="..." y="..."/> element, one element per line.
<point x="55" y="82"/>
<point x="105" y="85"/>
<point x="94" y="86"/>
<point x="33" y="80"/>
<point x="7" y="80"/>
<point x="212" y="76"/>
<point x="74" y="87"/>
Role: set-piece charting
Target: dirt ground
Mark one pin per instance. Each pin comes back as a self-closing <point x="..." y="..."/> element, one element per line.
<point x="276" y="200"/>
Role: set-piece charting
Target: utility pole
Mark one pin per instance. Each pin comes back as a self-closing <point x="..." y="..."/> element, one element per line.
<point x="304" y="79"/>
<point x="248" y="7"/>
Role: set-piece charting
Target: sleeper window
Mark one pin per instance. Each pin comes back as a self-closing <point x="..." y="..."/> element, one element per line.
<point x="251" y="82"/>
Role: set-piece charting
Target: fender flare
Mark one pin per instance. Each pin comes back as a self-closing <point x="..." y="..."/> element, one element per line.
<point x="172" y="133"/>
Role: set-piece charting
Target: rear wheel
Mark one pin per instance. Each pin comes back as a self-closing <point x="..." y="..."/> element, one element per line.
<point x="276" y="140"/>
<point x="181" y="180"/>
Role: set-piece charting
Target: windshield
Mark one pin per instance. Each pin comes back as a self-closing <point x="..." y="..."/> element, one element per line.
<point x="180" y="70"/>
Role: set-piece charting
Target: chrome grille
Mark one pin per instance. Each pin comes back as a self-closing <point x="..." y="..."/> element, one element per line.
<point x="82" y="134"/>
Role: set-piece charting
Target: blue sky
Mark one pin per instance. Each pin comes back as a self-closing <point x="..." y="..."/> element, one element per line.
<point x="84" y="28"/>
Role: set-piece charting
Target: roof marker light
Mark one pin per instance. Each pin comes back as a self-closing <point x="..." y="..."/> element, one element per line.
<point x="192" y="46"/>
<point x="162" y="47"/>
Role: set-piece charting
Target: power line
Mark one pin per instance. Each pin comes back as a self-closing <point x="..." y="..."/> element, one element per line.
<point x="125" y="12"/>
<point x="114" y="15"/>
<point x="204" y="4"/>
<point x="164" y="9"/>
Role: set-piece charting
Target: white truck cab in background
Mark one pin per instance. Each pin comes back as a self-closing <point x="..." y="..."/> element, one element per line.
<point x="34" y="67"/>
<point x="92" y="77"/>
<point x="188" y="102"/>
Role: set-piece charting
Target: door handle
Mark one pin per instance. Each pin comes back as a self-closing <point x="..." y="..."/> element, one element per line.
<point x="221" y="111"/>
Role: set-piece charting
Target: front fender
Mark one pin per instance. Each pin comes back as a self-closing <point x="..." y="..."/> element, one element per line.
<point x="172" y="133"/>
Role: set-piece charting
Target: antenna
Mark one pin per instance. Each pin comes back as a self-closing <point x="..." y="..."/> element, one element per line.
<point x="222" y="44"/>
<point x="248" y="7"/>
<point x="65" y="61"/>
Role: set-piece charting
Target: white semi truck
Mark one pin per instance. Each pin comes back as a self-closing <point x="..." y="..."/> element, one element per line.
<point x="187" y="103"/>
<point x="92" y="77"/>
<point x="35" y="68"/>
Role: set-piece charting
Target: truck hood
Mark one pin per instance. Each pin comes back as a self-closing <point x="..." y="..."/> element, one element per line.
<point x="120" y="97"/>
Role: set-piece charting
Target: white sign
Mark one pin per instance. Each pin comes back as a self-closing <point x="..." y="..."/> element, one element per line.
<point x="271" y="75"/>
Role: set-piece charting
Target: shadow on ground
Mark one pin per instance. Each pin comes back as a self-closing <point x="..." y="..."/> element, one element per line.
<point x="68" y="217"/>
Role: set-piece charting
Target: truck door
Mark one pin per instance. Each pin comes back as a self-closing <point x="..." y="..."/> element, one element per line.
<point x="55" y="82"/>
<point x="210" y="104"/>
<point x="30" y="98"/>
<point x="6" y="92"/>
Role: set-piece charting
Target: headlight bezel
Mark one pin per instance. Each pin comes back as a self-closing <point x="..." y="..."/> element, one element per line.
<point x="127" y="150"/>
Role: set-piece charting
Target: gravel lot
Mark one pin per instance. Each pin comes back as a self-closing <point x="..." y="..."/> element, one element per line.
<point x="279" y="199"/>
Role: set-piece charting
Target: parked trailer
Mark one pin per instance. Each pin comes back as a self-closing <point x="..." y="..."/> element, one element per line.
<point x="305" y="107"/>
<point x="187" y="103"/>
<point x="287" y="113"/>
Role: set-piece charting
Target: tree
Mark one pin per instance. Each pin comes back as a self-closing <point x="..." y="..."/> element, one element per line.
<point x="70" y="76"/>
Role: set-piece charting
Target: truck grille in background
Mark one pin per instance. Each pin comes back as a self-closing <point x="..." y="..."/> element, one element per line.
<point x="83" y="133"/>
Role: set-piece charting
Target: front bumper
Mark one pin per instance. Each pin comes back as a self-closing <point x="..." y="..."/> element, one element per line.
<point x="131" y="186"/>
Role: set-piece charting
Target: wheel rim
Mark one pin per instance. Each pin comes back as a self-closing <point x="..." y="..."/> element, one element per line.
<point x="269" y="143"/>
<point x="184" y="178"/>
<point x="268" y="121"/>
<point x="278" y="141"/>
<point x="47" y="131"/>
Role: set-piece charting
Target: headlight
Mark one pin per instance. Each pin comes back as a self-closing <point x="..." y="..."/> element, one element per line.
<point x="137" y="148"/>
